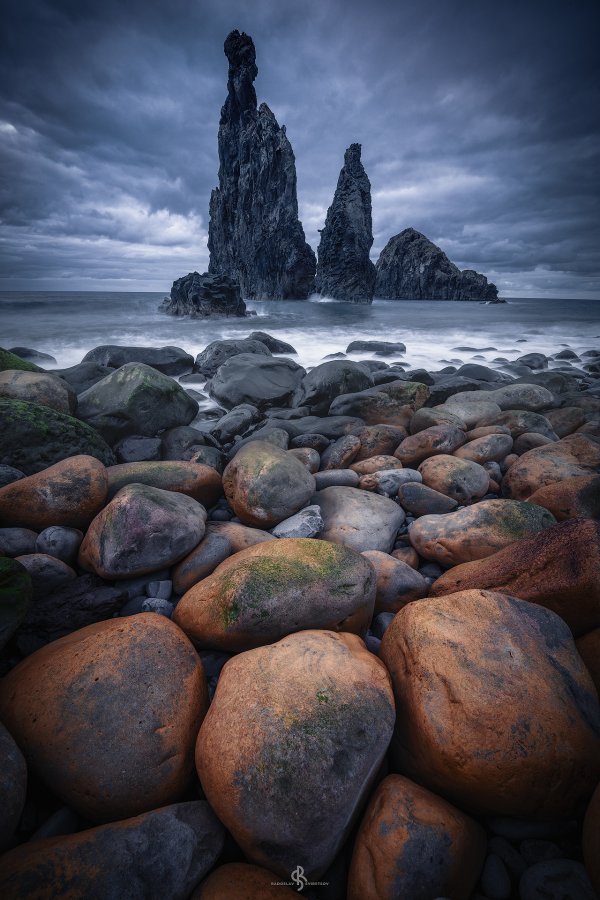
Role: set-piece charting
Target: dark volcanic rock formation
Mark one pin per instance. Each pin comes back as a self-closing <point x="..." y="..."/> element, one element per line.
<point x="204" y="296"/>
<point x="411" y="267"/>
<point x="255" y="236"/>
<point x="344" y="270"/>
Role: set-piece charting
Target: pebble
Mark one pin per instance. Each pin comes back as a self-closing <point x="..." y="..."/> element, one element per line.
<point x="495" y="880"/>
<point x="60" y="542"/>
<point x="431" y="570"/>
<point x="511" y="857"/>
<point x="373" y="644"/>
<point x="158" y="605"/>
<point x="8" y="474"/>
<point x="307" y="523"/>
<point x="336" y="478"/>
<point x="160" y="590"/>
<point x="17" y="541"/>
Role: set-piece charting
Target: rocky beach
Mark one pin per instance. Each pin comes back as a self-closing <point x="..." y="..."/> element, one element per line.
<point x="264" y="623"/>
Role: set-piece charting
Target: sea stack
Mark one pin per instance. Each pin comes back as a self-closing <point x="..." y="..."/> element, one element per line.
<point x="411" y="267"/>
<point x="255" y="236"/>
<point x="344" y="270"/>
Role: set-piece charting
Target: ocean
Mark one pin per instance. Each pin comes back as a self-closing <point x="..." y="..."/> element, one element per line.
<point x="68" y="324"/>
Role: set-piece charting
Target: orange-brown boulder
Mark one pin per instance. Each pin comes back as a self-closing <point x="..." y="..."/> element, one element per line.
<point x="240" y="536"/>
<point x="570" y="457"/>
<point x="71" y="493"/>
<point x="461" y="479"/>
<point x="591" y="840"/>
<point x="160" y="854"/>
<point x="243" y="881"/>
<point x="412" y="844"/>
<point x="477" y="531"/>
<point x="291" y="745"/>
<point x="496" y="710"/>
<point x="559" y="568"/>
<point x="265" y="485"/>
<point x="408" y="555"/>
<point x="378" y="440"/>
<point x="107" y="717"/>
<point x="196" y="480"/>
<point x="272" y="589"/>
<point x="588" y="647"/>
<point x="141" y="530"/>
<point x="376" y="464"/>
<point x="431" y="441"/>
<point x="397" y="582"/>
<point x="571" y="498"/>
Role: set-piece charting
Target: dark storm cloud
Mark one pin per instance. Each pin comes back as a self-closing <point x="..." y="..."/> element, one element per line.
<point x="478" y="120"/>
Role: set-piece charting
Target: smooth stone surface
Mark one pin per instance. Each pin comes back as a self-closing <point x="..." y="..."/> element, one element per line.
<point x="495" y="709"/>
<point x="341" y="453"/>
<point x="325" y="382"/>
<point x="253" y="378"/>
<point x="389" y="481"/>
<point x="13" y="787"/>
<point x="460" y="479"/>
<point x="135" y="399"/>
<point x="492" y="448"/>
<point x="35" y="437"/>
<point x="8" y="474"/>
<point x="141" y="530"/>
<point x="420" y="500"/>
<point x="378" y="440"/>
<point x="305" y="524"/>
<point x="35" y="387"/>
<point x="71" y="493"/>
<point x="235" y="880"/>
<point x="17" y="541"/>
<point x="588" y="647"/>
<point x="83" y="375"/>
<point x="439" y="415"/>
<point x="108" y="674"/>
<point x="397" y="583"/>
<point x="16" y="592"/>
<point x="358" y="519"/>
<point x="429" y="442"/>
<point x="386" y="404"/>
<point x="471" y="411"/>
<point x="570" y="457"/>
<point x="558" y="568"/>
<point x="376" y="464"/>
<point x="137" y="448"/>
<point x="274" y="588"/>
<point x="571" y="498"/>
<point x="162" y="853"/>
<point x="202" y="483"/>
<point x="521" y="422"/>
<point x="265" y="485"/>
<point x="168" y="360"/>
<point x="413" y="844"/>
<point x="291" y="745"/>
<point x="61" y="542"/>
<point x="336" y="478"/>
<point x="477" y="531"/>
<point x="46" y="572"/>
<point x="220" y="541"/>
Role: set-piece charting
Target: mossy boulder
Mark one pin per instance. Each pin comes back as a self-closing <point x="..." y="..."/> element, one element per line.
<point x="135" y="399"/>
<point x="475" y="532"/>
<point x="35" y="437"/>
<point x="38" y="387"/>
<point x="10" y="360"/>
<point x="291" y="745"/>
<point x="201" y="482"/>
<point x="277" y="587"/>
<point x="16" y="591"/>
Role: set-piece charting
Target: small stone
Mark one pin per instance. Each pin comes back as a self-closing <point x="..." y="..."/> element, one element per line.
<point x="381" y="622"/>
<point x="159" y="606"/>
<point x="307" y="523"/>
<point x="47" y="573"/>
<point x="17" y="541"/>
<point x="60" y="542"/>
<point x="8" y="475"/>
<point x="336" y="478"/>
<point x="159" y="589"/>
<point x="495" y="880"/>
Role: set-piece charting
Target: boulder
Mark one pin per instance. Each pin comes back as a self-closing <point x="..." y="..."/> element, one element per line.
<point x="460" y="479"/>
<point x="566" y="420"/>
<point x="168" y="360"/>
<point x="137" y="448"/>
<point x="376" y="464"/>
<point x="358" y="519"/>
<point x="325" y="382"/>
<point x="411" y="267"/>
<point x="420" y="500"/>
<point x="397" y="582"/>
<point x="571" y="498"/>
<point x="254" y="234"/>
<point x="17" y="541"/>
<point x="221" y="540"/>
<point x="308" y="457"/>
<point x="430" y="442"/>
<point x="471" y="411"/>
<point x="378" y="440"/>
<point x="237" y="879"/>
<point x="219" y="352"/>
<point x="387" y="404"/>
<point x="35" y="437"/>
<point x="413" y="844"/>
<point x="135" y="399"/>
<point x="344" y="269"/>
<point x="47" y="573"/>
<point x="8" y="474"/>
<point x="159" y="854"/>
<point x="533" y="360"/>
<point x="291" y="744"/>
<point x="304" y="524"/>
<point x="341" y="453"/>
<point x="274" y="588"/>
<point x="265" y="485"/>
<point x="570" y="457"/>
<point x="275" y="345"/>
<point x="388" y="481"/>
<point x="558" y="568"/>
<point x="235" y="422"/>
<point x="439" y="415"/>
<point x="496" y="710"/>
<point x="13" y="788"/>
<point x="204" y="297"/>
<point x="476" y="532"/>
<point x="255" y="379"/>
<point x="37" y="387"/>
<point x="201" y="482"/>
<point x="521" y="422"/>
<point x="13" y="361"/>
<point x="107" y="717"/>
<point x="382" y="348"/>
<point x="83" y="375"/>
<point x="16" y="591"/>
<point x="491" y="448"/>
<point x="71" y="492"/>
<point x="141" y="530"/>
<point x="556" y="878"/>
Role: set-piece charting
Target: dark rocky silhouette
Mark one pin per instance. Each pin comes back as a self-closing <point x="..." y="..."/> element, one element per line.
<point x="255" y="236"/>
<point x="344" y="270"/>
<point x="204" y="296"/>
<point x="411" y="267"/>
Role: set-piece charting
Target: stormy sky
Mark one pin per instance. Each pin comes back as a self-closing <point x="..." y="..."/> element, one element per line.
<point x="479" y="121"/>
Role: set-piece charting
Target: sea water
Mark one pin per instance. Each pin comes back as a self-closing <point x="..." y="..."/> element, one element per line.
<point x="69" y="324"/>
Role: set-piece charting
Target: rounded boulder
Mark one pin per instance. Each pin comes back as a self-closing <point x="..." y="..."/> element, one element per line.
<point x="496" y="710"/>
<point x="397" y="582"/>
<point x="107" y="717"/>
<point x="274" y="588"/>
<point x="202" y="483"/>
<point x="291" y="745"/>
<point x="461" y="479"/>
<point x="430" y="442"/>
<point x="358" y="519"/>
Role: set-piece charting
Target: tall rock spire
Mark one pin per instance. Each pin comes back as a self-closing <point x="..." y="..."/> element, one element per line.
<point x="344" y="270"/>
<point x="254" y="233"/>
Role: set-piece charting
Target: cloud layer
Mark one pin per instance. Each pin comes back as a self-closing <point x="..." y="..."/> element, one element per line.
<point x="478" y="120"/>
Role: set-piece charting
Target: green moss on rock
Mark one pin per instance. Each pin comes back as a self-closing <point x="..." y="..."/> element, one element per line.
<point x="10" y="360"/>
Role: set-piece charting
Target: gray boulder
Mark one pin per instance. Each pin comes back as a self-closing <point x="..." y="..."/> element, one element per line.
<point x="358" y="519"/>
<point x="168" y="360"/>
<point x="255" y="379"/>
<point x="218" y="352"/>
<point x="328" y="380"/>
